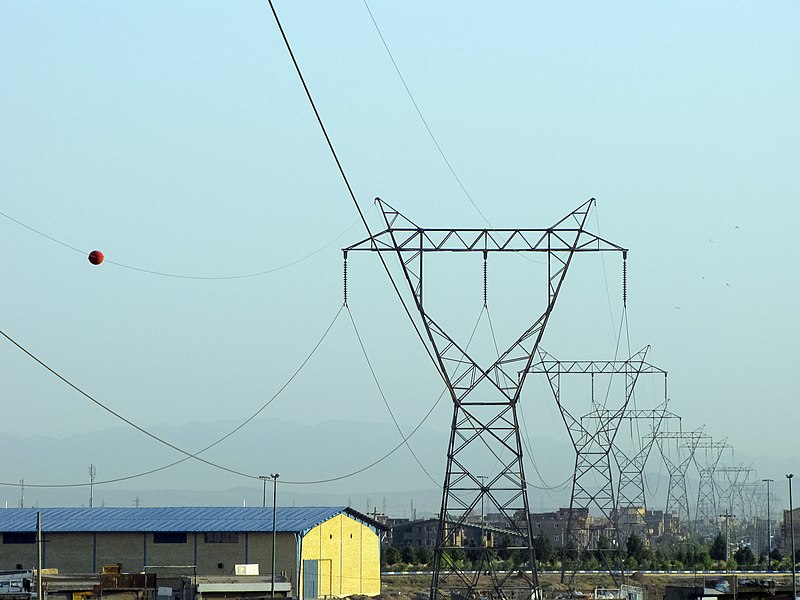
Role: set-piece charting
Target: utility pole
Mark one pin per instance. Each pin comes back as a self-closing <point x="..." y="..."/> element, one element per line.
<point x="92" y="473"/>
<point x="769" y="529"/>
<point x="274" y="477"/>
<point x="39" y="552"/>
<point x="790" y="476"/>
<point x="727" y="516"/>
<point x="22" y="493"/>
<point x="264" y="479"/>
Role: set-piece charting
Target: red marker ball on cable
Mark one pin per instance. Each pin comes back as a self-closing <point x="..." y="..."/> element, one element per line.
<point x="96" y="257"/>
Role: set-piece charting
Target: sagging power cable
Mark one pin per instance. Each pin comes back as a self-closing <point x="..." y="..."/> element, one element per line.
<point x="180" y="275"/>
<point x="422" y="117"/>
<point x="350" y="191"/>
<point x="188" y="455"/>
<point x="383" y="397"/>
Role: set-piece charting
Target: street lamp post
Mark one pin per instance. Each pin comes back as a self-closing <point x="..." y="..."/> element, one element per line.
<point x="274" y="477"/>
<point x="789" y="476"/>
<point x="769" y="529"/>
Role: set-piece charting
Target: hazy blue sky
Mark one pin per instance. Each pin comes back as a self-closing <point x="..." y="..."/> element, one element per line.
<point x="175" y="137"/>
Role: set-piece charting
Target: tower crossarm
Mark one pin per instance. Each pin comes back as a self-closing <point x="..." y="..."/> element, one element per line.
<point x="712" y="455"/>
<point x="402" y="235"/>
<point x="684" y="440"/>
<point x="549" y="365"/>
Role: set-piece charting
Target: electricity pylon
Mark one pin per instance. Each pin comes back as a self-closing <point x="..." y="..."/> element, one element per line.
<point x="706" y="461"/>
<point x="677" y="449"/>
<point x="730" y="487"/>
<point x="631" y="498"/>
<point x="592" y="437"/>
<point x="484" y="424"/>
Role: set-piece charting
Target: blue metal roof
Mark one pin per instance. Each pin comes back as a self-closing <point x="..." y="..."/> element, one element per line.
<point x="190" y="519"/>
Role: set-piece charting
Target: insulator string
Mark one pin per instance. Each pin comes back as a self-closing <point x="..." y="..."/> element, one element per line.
<point x="484" y="279"/>
<point x="345" y="280"/>
<point x="625" y="283"/>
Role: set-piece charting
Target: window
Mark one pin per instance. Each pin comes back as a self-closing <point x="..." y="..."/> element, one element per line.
<point x="20" y="537"/>
<point x="169" y="537"/>
<point x="221" y="537"/>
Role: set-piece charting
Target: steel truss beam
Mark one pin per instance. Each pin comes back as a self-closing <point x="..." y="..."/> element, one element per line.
<point x="592" y="438"/>
<point x="677" y="449"/>
<point x="484" y="426"/>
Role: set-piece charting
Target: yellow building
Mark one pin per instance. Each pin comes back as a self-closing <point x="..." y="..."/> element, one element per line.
<point x="319" y="551"/>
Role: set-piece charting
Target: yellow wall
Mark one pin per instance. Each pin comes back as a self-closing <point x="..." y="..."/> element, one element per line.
<point x="349" y="558"/>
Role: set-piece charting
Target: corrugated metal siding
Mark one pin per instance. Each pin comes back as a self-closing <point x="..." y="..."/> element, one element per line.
<point x="190" y="519"/>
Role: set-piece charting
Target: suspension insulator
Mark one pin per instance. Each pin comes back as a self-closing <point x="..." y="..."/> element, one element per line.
<point x="485" y="255"/>
<point x="345" y="280"/>
<point x="625" y="282"/>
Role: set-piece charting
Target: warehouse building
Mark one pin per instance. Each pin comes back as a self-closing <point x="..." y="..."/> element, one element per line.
<point x="320" y="551"/>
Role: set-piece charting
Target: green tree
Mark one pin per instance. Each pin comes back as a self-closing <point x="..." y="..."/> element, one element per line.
<point x="636" y="548"/>
<point x="407" y="555"/>
<point x="744" y="556"/>
<point x="391" y="556"/>
<point x="718" y="547"/>
<point x="424" y="555"/>
<point x="543" y="548"/>
<point x="502" y="549"/>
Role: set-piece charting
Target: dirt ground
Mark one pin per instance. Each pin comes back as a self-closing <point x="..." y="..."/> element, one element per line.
<point x="415" y="587"/>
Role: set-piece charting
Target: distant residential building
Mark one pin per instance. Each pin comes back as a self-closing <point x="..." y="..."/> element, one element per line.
<point x="554" y="525"/>
<point x="423" y="533"/>
<point x="321" y="551"/>
<point x="786" y="532"/>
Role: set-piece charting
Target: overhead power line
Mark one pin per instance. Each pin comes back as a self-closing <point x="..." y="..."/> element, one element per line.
<point x="350" y="191"/>
<point x="422" y="117"/>
<point x="195" y="455"/>
<point x="181" y="275"/>
<point x="188" y="455"/>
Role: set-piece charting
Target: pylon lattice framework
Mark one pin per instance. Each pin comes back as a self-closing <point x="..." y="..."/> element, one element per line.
<point x="731" y="500"/>
<point x="484" y="428"/>
<point x="592" y="439"/>
<point x="631" y="504"/>
<point x="677" y="450"/>
<point x="707" y="516"/>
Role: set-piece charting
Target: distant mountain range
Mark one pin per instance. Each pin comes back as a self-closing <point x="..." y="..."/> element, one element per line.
<point x="331" y="463"/>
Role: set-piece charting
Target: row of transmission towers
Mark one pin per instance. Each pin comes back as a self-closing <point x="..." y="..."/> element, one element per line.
<point x="609" y="475"/>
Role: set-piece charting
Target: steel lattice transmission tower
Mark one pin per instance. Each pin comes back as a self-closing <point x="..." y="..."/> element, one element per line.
<point x="707" y="515"/>
<point x="731" y="500"/>
<point x="677" y="449"/>
<point x="631" y="500"/>
<point x="592" y="437"/>
<point x="730" y="492"/>
<point x="484" y="425"/>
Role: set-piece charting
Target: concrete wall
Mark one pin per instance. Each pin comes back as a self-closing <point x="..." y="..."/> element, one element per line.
<point x="88" y="552"/>
<point x="349" y="557"/>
